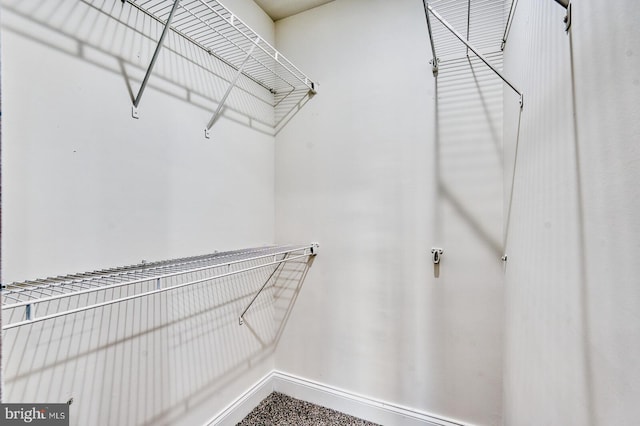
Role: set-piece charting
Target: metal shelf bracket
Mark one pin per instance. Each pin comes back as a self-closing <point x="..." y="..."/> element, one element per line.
<point x="207" y="130"/>
<point x="167" y="25"/>
<point x="241" y="318"/>
<point x="312" y="250"/>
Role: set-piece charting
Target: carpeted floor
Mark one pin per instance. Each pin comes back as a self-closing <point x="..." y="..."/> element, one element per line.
<point x="281" y="410"/>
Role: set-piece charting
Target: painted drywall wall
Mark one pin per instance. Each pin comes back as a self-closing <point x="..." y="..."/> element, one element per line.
<point x="573" y="301"/>
<point x="368" y="171"/>
<point x="85" y="186"/>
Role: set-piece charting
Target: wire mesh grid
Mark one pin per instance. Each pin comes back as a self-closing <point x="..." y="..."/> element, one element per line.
<point x="479" y="21"/>
<point x="30" y="301"/>
<point x="212" y="27"/>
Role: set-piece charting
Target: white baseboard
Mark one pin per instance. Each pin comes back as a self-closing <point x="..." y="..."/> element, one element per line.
<point x="366" y="408"/>
<point x="238" y="409"/>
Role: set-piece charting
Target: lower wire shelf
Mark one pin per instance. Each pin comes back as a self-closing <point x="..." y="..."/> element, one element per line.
<point x="28" y="302"/>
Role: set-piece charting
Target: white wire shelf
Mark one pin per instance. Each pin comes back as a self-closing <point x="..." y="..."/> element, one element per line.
<point x="451" y="37"/>
<point x="212" y="27"/>
<point x="28" y="302"/>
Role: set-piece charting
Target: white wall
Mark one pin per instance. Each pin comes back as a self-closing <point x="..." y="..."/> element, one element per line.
<point x="573" y="300"/>
<point x="85" y="186"/>
<point x="360" y="170"/>
<point x="372" y="168"/>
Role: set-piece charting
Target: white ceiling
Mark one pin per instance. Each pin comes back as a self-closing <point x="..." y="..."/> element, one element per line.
<point x="278" y="9"/>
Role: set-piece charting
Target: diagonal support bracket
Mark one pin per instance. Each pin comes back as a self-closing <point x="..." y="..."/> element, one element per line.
<point x="167" y="25"/>
<point x="241" y="318"/>
<point x="207" y="130"/>
<point x="309" y="252"/>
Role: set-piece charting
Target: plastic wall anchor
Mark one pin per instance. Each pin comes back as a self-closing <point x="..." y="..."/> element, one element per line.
<point x="314" y="249"/>
<point x="134" y="112"/>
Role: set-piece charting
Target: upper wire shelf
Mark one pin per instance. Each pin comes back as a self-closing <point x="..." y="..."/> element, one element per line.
<point x="39" y="300"/>
<point x="457" y="37"/>
<point x="211" y="26"/>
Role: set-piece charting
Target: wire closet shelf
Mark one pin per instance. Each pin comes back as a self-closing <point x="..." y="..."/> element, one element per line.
<point x="28" y="302"/>
<point x="489" y="9"/>
<point x="212" y="27"/>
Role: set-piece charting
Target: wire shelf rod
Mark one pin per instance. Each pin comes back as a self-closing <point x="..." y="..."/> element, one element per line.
<point x="32" y="320"/>
<point x="12" y="297"/>
<point x="215" y="47"/>
<point x="275" y="55"/>
<point x="114" y="273"/>
<point x="161" y="276"/>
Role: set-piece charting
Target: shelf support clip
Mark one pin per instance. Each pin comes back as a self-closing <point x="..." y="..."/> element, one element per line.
<point x="167" y="25"/>
<point x="207" y="130"/>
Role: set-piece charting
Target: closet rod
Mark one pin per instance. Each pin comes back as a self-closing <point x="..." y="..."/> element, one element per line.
<point x="475" y="51"/>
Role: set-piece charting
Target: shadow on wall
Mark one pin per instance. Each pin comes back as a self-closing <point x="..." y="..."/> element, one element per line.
<point x="119" y="38"/>
<point x="469" y="158"/>
<point x="468" y="294"/>
<point x="155" y="359"/>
